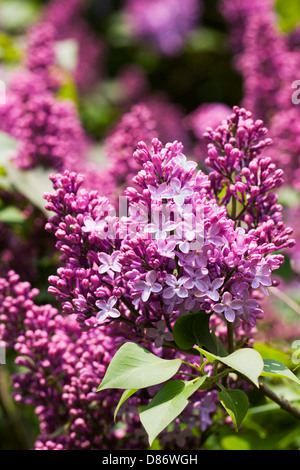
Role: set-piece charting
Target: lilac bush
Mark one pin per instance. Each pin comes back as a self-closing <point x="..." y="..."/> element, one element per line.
<point x="144" y="231"/>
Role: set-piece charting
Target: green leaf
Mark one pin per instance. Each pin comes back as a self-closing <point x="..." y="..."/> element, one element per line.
<point x="192" y="329"/>
<point x="275" y="368"/>
<point x="235" y="403"/>
<point x="133" y="367"/>
<point x="268" y="352"/>
<point x="235" y="443"/>
<point x="125" y="395"/>
<point x="31" y="183"/>
<point x="11" y="215"/>
<point x="67" y="54"/>
<point x="288" y="14"/>
<point x="167" y="404"/>
<point x="246" y="361"/>
<point x="8" y="146"/>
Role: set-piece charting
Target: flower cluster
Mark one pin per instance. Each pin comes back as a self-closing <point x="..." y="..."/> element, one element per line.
<point x="48" y="130"/>
<point x="178" y="248"/>
<point x="67" y="18"/>
<point x="164" y="25"/>
<point x="61" y="368"/>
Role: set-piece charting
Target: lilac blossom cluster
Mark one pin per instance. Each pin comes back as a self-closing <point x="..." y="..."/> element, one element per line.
<point x="268" y="67"/>
<point x="59" y="369"/>
<point x="238" y="15"/>
<point x="166" y="25"/>
<point x="47" y="129"/>
<point x="178" y="248"/>
<point x="122" y="141"/>
<point x="67" y="18"/>
<point x="62" y="367"/>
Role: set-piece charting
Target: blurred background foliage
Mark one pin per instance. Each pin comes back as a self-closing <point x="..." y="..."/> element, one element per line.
<point x="203" y="72"/>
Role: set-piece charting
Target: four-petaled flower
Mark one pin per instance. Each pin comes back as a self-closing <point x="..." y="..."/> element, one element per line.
<point x="93" y="226"/>
<point x="148" y="286"/>
<point x="166" y="248"/>
<point x="213" y="235"/>
<point x="109" y="262"/>
<point x="210" y="288"/>
<point x="159" y="225"/>
<point x="107" y="309"/>
<point x="185" y="164"/>
<point x="262" y="277"/>
<point x="228" y="306"/>
<point x="176" y="287"/>
<point x="178" y="193"/>
<point x="159" y="334"/>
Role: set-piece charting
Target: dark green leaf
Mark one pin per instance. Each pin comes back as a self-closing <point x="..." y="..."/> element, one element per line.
<point x="235" y="403"/>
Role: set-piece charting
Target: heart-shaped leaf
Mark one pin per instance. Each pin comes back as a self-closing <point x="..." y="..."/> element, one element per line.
<point x="235" y="403"/>
<point x="133" y="367"/>
<point x="193" y="328"/>
<point x="246" y="361"/>
<point x="275" y="368"/>
<point x="167" y="404"/>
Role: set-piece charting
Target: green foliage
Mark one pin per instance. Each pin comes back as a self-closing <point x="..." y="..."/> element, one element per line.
<point x="235" y="403"/>
<point x="167" y="404"/>
<point x="133" y="367"/>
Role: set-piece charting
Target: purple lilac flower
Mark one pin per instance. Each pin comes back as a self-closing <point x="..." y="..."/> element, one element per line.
<point x="109" y="262"/>
<point x="166" y="24"/>
<point x="59" y="368"/>
<point x="195" y="278"/>
<point x="67" y="18"/>
<point x="149" y="285"/>
<point x="228" y="306"/>
<point x="159" y="334"/>
<point x="107" y="309"/>
<point x="160" y="227"/>
<point x="176" y="287"/>
<point x="262" y="277"/>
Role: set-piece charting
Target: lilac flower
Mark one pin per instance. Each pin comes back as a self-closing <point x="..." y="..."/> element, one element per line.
<point x="195" y="277"/>
<point x="109" y="262"/>
<point x="182" y="161"/>
<point x="159" y="334"/>
<point x="178" y="192"/>
<point x="166" y="248"/>
<point x="107" y="309"/>
<point x="210" y="288"/>
<point x="165" y="25"/>
<point x="93" y="226"/>
<point x="160" y="192"/>
<point x="262" y="277"/>
<point x="190" y="228"/>
<point x="212" y="235"/>
<point x="176" y="287"/>
<point x="228" y="306"/>
<point x="148" y="286"/>
<point x="159" y="227"/>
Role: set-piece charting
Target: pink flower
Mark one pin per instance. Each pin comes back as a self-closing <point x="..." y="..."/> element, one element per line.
<point x="107" y="309"/>
<point x="148" y="286"/>
<point x="228" y="306"/>
<point x="176" y="287"/>
<point x="109" y="262"/>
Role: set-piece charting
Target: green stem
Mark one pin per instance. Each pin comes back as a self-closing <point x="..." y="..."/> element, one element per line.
<point x="230" y="337"/>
